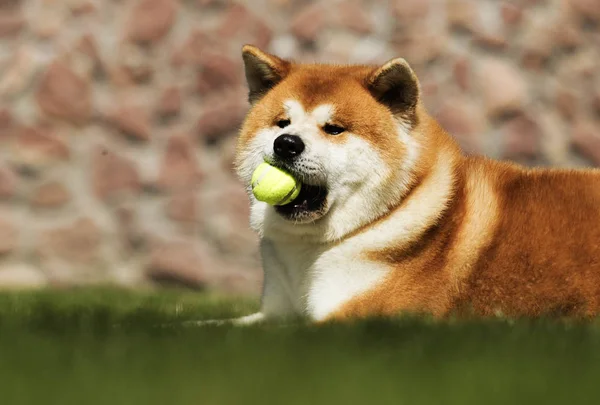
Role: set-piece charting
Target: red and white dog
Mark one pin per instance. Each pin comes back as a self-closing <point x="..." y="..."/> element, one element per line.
<point x="393" y="217"/>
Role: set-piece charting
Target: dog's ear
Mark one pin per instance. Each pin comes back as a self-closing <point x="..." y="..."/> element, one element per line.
<point x="395" y="85"/>
<point x="263" y="71"/>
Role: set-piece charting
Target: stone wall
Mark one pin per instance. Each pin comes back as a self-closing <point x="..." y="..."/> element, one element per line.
<point x="118" y="118"/>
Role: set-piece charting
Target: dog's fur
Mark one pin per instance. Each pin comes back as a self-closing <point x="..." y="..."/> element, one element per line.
<point x="409" y="223"/>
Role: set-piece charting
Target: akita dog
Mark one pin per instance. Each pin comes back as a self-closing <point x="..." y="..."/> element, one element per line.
<point x="393" y="217"/>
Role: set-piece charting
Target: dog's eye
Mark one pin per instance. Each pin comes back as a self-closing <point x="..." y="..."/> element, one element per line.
<point x="283" y="123"/>
<point x="333" y="129"/>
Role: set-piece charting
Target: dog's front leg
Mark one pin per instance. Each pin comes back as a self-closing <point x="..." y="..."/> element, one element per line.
<point x="276" y="299"/>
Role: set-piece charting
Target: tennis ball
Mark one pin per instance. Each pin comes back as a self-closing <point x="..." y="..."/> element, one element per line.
<point x="273" y="185"/>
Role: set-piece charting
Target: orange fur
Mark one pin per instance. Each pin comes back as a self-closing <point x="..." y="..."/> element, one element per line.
<point x="509" y="240"/>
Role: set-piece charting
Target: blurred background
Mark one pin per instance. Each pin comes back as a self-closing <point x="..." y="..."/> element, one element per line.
<point x="118" y="118"/>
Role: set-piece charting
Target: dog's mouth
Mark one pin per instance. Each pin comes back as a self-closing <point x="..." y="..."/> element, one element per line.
<point x="310" y="205"/>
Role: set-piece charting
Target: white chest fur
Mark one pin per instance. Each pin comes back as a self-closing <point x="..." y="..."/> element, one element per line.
<point x="319" y="279"/>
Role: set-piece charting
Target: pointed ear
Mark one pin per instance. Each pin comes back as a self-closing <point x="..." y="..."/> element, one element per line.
<point x="263" y="71"/>
<point x="395" y="85"/>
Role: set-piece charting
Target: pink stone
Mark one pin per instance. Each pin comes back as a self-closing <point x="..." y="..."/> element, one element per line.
<point x="76" y="243"/>
<point x="51" y="195"/>
<point x="183" y="207"/>
<point x="8" y="181"/>
<point x="169" y="103"/>
<point x="511" y="13"/>
<point x="586" y="138"/>
<point x="11" y="22"/>
<point x="353" y="17"/>
<point x="178" y="262"/>
<point x="64" y="94"/>
<point x="462" y="73"/>
<point x="39" y="145"/>
<point x="464" y="119"/>
<point x="151" y="20"/>
<point x="521" y="136"/>
<point x="308" y="23"/>
<point x="113" y="174"/>
<point x="132" y="121"/>
<point x="408" y="10"/>
<point x="218" y="71"/>
<point x="220" y="119"/>
<point x="8" y="236"/>
<point x="179" y="168"/>
<point x="504" y="89"/>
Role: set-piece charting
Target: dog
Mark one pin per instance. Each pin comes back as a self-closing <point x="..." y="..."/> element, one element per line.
<point x="393" y="217"/>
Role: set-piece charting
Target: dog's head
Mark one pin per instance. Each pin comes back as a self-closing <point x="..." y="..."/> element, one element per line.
<point x="346" y="132"/>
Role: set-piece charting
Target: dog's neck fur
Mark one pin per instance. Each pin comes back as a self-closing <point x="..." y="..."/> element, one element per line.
<point x="427" y="188"/>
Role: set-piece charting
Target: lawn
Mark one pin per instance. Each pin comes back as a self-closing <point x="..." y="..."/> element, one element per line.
<point x="108" y="347"/>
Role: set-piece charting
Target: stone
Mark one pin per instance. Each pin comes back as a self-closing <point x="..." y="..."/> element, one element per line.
<point x="179" y="263"/>
<point x="463" y="119"/>
<point x="88" y="46"/>
<point x="8" y="181"/>
<point x="182" y="207"/>
<point x="218" y="71"/>
<point x="113" y="174"/>
<point x="239" y="23"/>
<point x="538" y="40"/>
<point x="555" y="142"/>
<point x="262" y="34"/>
<point x="190" y="53"/>
<point x="492" y="40"/>
<point x="151" y="20"/>
<point x="20" y="73"/>
<point x="463" y="15"/>
<point x="48" y="18"/>
<point x="353" y="17"/>
<point x="567" y="102"/>
<point x="521" y="137"/>
<point x="512" y="14"/>
<point x="227" y="154"/>
<point x="309" y="22"/>
<point x="7" y="124"/>
<point x="19" y="276"/>
<point x="226" y="213"/>
<point x="9" y="235"/>
<point x="589" y="9"/>
<point x="50" y="195"/>
<point x="410" y="10"/>
<point x="132" y="238"/>
<point x="136" y="63"/>
<point x="579" y="66"/>
<point x="76" y="243"/>
<point x="503" y="88"/>
<point x="132" y="121"/>
<point x="596" y="98"/>
<point x="39" y="146"/>
<point x="585" y="137"/>
<point x="489" y="29"/>
<point x="11" y="22"/>
<point x="235" y="20"/>
<point x="82" y="7"/>
<point x="422" y="48"/>
<point x="169" y="104"/>
<point x="65" y="95"/>
<point x="220" y="118"/>
<point x="179" y="168"/>
<point x="462" y="72"/>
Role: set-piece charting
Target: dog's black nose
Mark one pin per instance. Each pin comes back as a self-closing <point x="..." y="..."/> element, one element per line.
<point x="288" y="146"/>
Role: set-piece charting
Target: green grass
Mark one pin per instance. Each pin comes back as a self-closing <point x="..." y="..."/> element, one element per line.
<point x="105" y="347"/>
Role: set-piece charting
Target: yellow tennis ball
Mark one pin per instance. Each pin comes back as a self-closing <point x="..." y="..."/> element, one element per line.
<point x="273" y="185"/>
